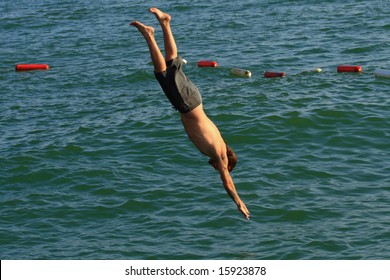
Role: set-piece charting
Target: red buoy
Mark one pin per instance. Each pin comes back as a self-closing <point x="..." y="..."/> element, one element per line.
<point x="349" y="68"/>
<point x="207" y="63"/>
<point x="274" y="74"/>
<point x="30" y="67"/>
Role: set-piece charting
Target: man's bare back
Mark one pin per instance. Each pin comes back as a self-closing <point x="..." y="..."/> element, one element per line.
<point x="203" y="132"/>
<point x="200" y="129"/>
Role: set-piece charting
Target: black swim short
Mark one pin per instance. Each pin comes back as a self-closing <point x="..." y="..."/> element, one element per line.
<point x="181" y="92"/>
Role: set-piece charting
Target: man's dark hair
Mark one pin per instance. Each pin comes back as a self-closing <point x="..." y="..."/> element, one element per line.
<point x="232" y="159"/>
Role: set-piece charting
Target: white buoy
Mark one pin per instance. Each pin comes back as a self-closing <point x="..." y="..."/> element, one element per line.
<point x="184" y="61"/>
<point x="382" y="73"/>
<point x="241" y="72"/>
<point x="315" y="70"/>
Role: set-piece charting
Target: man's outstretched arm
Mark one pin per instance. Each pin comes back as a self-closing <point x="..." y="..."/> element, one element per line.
<point x="231" y="189"/>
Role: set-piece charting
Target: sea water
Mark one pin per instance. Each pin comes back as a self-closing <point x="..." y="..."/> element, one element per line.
<point x="95" y="164"/>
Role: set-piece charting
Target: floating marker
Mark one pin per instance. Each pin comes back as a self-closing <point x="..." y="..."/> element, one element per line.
<point x="30" y="67"/>
<point x="316" y="70"/>
<point x="274" y="74"/>
<point x="382" y="73"/>
<point x="207" y="63"/>
<point x="184" y="61"/>
<point x="241" y="72"/>
<point x="349" y="68"/>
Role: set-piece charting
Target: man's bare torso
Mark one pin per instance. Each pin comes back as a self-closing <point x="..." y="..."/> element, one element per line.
<point x="203" y="133"/>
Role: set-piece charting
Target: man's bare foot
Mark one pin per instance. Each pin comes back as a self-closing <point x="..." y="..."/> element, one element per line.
<point x="161" y="16"/>
<point x="147" y="31"/>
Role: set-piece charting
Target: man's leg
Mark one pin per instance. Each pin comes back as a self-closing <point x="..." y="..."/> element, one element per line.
<point x="169" y="42"/>
<point x="155" y="53"/>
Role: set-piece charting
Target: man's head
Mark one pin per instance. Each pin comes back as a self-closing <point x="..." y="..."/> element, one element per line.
<point x="232" y="159"/>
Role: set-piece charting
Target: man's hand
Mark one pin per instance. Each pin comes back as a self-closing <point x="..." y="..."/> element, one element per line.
<point x="242" y="208"/>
